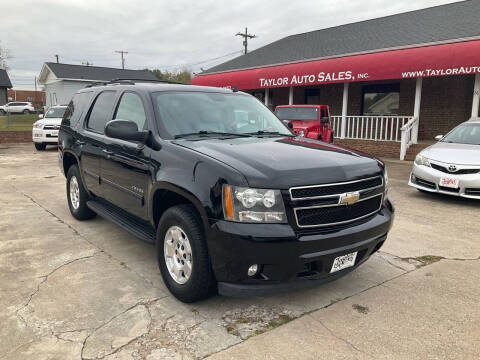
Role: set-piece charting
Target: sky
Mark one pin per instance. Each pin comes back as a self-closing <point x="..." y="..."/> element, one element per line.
<point x="168" y="35"/>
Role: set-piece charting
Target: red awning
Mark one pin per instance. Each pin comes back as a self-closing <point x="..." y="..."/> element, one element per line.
<point x="436" y="60"/>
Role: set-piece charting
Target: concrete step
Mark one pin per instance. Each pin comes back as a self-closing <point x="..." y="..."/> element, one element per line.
<point x="414" y="149"/>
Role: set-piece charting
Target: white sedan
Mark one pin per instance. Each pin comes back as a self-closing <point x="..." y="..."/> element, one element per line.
<point x="452" y="165"/>
<point x="45" y="130"/>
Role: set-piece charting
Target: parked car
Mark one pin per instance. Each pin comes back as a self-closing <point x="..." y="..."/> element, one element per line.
<point x="45" y="130"/>
<point x="17" y="107"/>
<point x="312" y="121"/>
<point x="232" y="199"/>
<point x="452" y="165"/>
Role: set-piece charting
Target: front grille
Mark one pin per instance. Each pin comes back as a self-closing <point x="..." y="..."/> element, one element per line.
<point x="337" y="214"/>
<point x="316" y="191"/>
<point x="472" y="191"/>
<point x="458" y="172"/>
<point x="51" y="127"/>
<point x="447" y="189"/>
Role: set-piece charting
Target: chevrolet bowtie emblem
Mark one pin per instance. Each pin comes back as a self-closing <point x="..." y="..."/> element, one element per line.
<point x="349" y="198"/>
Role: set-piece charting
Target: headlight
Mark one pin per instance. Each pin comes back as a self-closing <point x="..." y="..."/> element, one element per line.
<point x="301" y="133"/>
<point x="38" y="125"/>
<point x="385" y="176"/>
<point x="421" y="160"/>
<point x="253" y="205"/>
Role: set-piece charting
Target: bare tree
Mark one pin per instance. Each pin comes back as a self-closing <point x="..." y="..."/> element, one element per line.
<point x="4" y="56"/>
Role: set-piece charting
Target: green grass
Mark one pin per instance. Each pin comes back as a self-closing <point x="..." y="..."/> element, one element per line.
<point x="18" y="122"/>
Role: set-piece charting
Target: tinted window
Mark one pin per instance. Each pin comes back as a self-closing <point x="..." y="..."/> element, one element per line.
<point x="55" y="112"/>
<point x="131" y="108"/>
<point x="76" y="107"/>
<point x="100" y="113"/>
<point x="297" y="113"/>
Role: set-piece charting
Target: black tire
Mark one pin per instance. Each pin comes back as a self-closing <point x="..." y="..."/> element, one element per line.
<point x="82" y="211"/>
<point x="201" y="283"/>
<point x="2" y="112"/>
<point x="40" y="146"/>
<point x="26" y="111"/>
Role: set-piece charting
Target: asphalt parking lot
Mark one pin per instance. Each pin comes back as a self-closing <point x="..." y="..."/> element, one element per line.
<point x="89" y="290"/>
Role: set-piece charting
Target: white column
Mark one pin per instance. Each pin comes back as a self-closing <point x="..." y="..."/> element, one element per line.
<point x="266" y="97"/>
<point x="290" y="95"/>
<point x="344" y="110"/>
<point x="476" y="96"/>
<point x="416" y="108"/>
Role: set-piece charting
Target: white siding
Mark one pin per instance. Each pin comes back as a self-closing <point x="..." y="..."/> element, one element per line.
<point x="61" y="92"/>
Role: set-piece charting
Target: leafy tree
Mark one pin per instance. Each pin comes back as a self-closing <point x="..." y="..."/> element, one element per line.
<point x="184" y="76"/>
<point x="4" y="56"/>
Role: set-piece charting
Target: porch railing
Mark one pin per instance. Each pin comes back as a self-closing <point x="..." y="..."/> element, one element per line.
<point x="380" y="128"/>
<point x="408" y="136"/>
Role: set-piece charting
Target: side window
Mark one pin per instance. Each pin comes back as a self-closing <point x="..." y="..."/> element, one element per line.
<point x="100" y="112"/>
<point x="131" y="108"/>
<point x="76" y="107"/>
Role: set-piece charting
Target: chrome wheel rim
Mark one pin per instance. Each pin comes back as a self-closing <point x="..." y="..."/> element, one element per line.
<point x="178" y="254"/>
<point x="74" y="193"/>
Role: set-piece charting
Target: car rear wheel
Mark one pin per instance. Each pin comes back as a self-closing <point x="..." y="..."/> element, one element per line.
<point x="183" y="256"/>
<point x="2" y="112"/>
<point x="26" y="111"/>
<point x="77" y="196"/>
<point x="40" y="146"/>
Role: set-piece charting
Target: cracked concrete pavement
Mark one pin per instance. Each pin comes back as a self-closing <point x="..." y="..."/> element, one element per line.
<point x="89" y="290"/>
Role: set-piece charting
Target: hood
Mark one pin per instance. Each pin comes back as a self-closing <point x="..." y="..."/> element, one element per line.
<point x="300" y="124"/>
<point x="280" y="163"/>
<point x="460" y="154"/>
<point x="50" y="121"/>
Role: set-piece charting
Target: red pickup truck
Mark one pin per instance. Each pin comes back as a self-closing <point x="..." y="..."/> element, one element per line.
<point x="312" y="121"/>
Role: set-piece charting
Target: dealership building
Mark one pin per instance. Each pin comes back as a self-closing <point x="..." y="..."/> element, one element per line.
<point x="392" y="83"/>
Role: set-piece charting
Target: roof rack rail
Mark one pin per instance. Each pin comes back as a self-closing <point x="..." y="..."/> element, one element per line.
<point x="149" y="80"/>
<point x="130" y="82"/>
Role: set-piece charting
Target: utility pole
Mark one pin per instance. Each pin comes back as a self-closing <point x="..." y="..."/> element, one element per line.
<point x="56" y="57"/>
<point x="246" y="36"/>
<point x="122" y="52"/>
<point x="86" y="63"/>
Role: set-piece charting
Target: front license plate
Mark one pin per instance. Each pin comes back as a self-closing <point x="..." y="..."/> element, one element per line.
<point x="449" y="182"/>
<point x="343" y="262"/>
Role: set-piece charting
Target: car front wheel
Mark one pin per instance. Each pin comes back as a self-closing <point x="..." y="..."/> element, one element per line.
<point x="26" y="111"/>
<point x="183" y="256"/>
<point x="40" y="146"/>
<point x="77" y="195"/>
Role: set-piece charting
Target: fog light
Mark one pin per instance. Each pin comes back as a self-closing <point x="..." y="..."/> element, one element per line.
<point x="252" y="270"/>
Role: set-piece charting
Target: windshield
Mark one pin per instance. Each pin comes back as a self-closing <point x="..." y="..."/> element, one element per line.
<point x="297" y="113"/>
<point x="56" y="112"/>
<point x="464" y="134"/>
<point x="195" y="112"/>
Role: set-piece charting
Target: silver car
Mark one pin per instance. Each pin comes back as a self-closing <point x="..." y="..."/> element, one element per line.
<point x="452" y="165"/>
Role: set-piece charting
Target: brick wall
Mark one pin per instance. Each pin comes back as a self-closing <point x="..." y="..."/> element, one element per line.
<point x="381" y="149"/>
<point x="13" y="137"/>
<point x="446" y="102"/>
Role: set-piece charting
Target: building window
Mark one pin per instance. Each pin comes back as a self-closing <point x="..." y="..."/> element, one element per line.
<point x="383" y="99"/>
<point x="312" y="96"/>
<point x="29" y="98"/>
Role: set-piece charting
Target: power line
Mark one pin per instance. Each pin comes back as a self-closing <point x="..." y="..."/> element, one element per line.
<point x="245" y="36"/>
<point x="199" y="62"/>
<point x="122" y="53"/>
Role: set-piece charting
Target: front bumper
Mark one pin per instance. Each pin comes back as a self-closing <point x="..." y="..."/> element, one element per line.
<point x="428" y="179"/>
<point x="289" y="260"/>
<point x="45" y="136"/>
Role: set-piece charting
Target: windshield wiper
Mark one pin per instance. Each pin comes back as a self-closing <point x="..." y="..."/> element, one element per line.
<point x="206" y="132"/>
<point x="263" y="132"/>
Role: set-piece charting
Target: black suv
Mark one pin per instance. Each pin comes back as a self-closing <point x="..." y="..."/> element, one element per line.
<point x="232" y="199"/>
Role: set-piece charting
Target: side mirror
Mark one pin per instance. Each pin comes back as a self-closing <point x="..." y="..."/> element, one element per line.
<point x="439" y="137"/>
<point x="40" y="116"/>
<point x="324" y="119"/>
<point x="125" y="130"/>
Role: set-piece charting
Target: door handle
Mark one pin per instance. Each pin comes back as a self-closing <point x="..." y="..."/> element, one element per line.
<point x="79" y="142"/>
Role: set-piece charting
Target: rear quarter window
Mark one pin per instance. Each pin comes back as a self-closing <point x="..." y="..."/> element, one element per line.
<point x="77" y="108"/>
